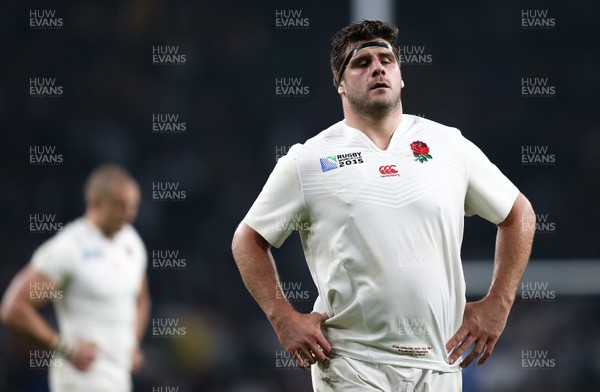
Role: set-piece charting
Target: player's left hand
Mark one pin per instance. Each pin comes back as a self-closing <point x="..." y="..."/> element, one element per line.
<point x="483" y="323"/>
<point x="83" y="355"/>
<point x="137" y="361"/>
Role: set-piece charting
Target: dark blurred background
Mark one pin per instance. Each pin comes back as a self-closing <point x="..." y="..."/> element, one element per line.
<point x="236" y="126"/>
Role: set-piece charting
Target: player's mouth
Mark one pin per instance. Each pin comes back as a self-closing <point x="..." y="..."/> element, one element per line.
<point x="379" y="85"/>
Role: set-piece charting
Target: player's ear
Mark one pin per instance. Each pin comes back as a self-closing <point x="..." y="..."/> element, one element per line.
<point x="340" y="88"/>
<point x="401" y="78"/>
<point x="92" y="201"/>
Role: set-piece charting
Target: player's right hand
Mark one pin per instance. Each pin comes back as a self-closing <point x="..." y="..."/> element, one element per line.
<point x="301" y="335"/>
<point x="137" y="361"/>
<point x="83" y="355"/>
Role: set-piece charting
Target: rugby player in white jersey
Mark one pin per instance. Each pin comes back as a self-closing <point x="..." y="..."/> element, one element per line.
<point x="380" y="199"/>
<point x="94" y="272"/>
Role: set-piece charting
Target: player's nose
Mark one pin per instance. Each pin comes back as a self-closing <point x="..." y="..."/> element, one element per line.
<point x="378" y="68"/>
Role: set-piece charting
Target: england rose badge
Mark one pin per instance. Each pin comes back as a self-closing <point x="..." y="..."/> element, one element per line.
<point x="420" y="151"/>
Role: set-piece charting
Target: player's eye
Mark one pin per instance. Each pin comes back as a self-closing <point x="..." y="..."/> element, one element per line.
<point x="360" y="62"/>
<point x="386" y="60"/>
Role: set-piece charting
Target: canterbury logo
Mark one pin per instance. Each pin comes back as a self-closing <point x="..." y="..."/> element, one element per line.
<point x="388" y="169"/>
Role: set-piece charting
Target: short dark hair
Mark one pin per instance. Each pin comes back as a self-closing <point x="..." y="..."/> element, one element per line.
<point x="104" y="177"/>
<point x="360" y="31"/>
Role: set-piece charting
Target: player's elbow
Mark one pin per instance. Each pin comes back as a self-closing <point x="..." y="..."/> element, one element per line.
<point x="238" y="240"/>
<point x="530" y="214"/>
<point x="521" y="215"/>
<point x="527" y="216"/>
<point x="9" y="313"/>
<point x="3" y="315"/>
<point x="246" y="239"/>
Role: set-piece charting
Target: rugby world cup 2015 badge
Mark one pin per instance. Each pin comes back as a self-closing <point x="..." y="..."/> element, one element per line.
<point x="420" y="151"/>
<point x="328" y="163"/>
<point x="340" y="160"/>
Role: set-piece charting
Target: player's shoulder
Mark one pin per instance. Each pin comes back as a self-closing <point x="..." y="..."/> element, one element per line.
<point x="433" y="133"/>
<point x="129" y="235"/>
<point x="129" y="232"/>
<point x="69" y="232"/>
<point x="132" y="242"/>
<point x="326" y="137"/>
<point x="445" y="141"/>
<point x="64" y="242"/>
<point x="335" y="131"/>
<point x="421" y="124"/>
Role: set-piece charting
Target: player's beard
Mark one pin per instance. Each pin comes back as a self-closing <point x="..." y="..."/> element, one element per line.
<point x="374" y="108"/>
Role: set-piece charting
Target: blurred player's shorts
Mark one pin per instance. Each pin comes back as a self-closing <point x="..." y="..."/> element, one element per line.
<point x="103" y="376"/>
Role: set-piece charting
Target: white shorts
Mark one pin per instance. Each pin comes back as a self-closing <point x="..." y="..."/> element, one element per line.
<point x="346" y="374"/>
<point x="102" y="377"/>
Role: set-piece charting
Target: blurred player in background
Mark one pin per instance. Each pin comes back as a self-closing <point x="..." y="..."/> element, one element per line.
<point x="94" y="272"/>
<point x="379" y="200"/>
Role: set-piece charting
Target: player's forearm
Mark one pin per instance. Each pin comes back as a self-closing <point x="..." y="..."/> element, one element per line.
<point x="513" y="248"/>
<point x="19" y="313"/>
<point x="24" y="319"/>
<point x="257" y="267"/>
<point x="143" y="312"/>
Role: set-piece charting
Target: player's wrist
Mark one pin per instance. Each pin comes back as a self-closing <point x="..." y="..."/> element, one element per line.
<point x="280" y="314"/>
<point x="61" y="347"/>
<point x="504" y="299"/>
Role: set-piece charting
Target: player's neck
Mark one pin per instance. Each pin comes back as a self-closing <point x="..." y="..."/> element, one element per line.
<point x="92" y="218"/>
<point x="379" y="130"/>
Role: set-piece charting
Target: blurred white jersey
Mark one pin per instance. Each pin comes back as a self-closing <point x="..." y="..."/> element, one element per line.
<point x="382" y="232"/>
<point x="100" y="279"/>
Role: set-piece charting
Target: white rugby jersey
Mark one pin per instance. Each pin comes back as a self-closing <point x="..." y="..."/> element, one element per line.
<point x="100" y="280"/>
<point x="381" y="232"/>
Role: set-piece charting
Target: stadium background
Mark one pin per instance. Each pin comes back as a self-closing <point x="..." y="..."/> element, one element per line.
<point x="237" y="124"/>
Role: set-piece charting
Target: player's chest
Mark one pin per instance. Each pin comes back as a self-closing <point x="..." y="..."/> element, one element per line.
<point x="396" y="176"/>
<point x="107" y="271"/>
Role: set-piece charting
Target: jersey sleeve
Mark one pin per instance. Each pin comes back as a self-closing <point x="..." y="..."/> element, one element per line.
<point x="55" y="259"/>
<point x="490" y="194"/>
<point x="141" y="249"/>
<point x="141" y="257"/>
<point x="280" y="205"/>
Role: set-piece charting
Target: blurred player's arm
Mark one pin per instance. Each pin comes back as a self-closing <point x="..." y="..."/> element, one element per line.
<point x="300" y="334"/>
<point x="484" y="320"/>
<point x="28" y="291"/>
<point x="143" y="315"/>
<point x="143" y="310"/>
<point x="21" y="314"/>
